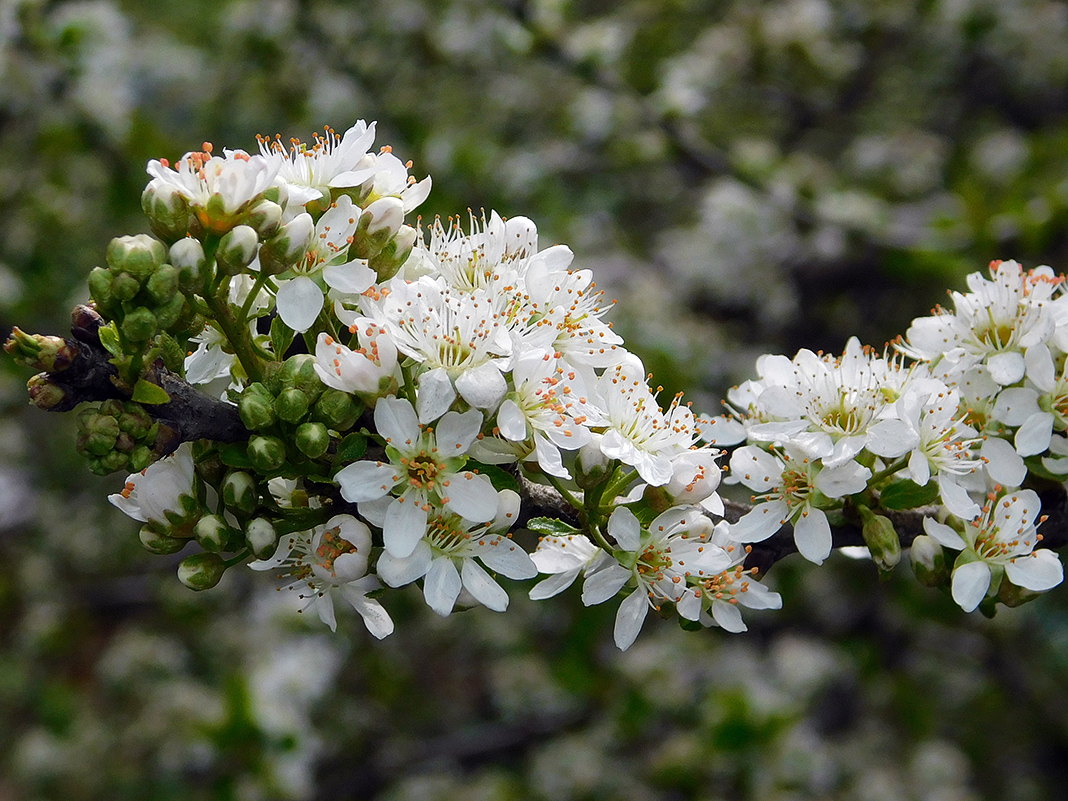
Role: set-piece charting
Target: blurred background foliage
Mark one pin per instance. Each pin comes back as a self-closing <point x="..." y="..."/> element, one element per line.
<point x="743" y="177"/>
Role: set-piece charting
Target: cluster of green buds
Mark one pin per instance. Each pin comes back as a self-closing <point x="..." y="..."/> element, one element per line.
<point x="115" y="436"/>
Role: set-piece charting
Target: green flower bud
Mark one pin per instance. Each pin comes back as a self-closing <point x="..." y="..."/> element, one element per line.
<point x="239" y="492"/>
<point x="162" y="285"/>
<point x="881" y="539"/>
<point x="41" y="352"/>
<point x="167" y="211"/>
<point x="312" y="439"/>
<point x="388" y="261"/>
<point x="288" y="246"/>
<point x="187" y="256"/>
<point x="154" y="542"/>
<point x="261" y="537"/>
<point x="139" y="255"/>
<point x="47" y="395"/>
<point x="267" y="453"/>
<point x="140" y="325"/>
<point x="201" y="571"/>
<point x="298" y="372"/>
<point x="237" y="249"/>
<point x="266" y="218"/>
<point x="140" y="458"/>
<point x="111" y="462"/>
<point x="212" y="533"/>
<point x="928" y="562"/>
<point x="100" y="281"/>
<point x="291" y="405"/>
<point x="256" y="412"/>
<point x="168" y="315"/>
<point x="210" y="467"/>
<point x="337" y="409"/>
<point x="134" y="420"/>
<point x="112" y="407"/>
<point x="100" y="432"/>
<point x="124" y="287"/>
<point x="378" y="224"/>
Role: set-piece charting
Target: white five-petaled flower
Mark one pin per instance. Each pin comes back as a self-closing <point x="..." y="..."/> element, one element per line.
<point x="788" y="486"/>
<point x="332" y="557"/>
<point x="1000" y="542"/>
<point x="157" y="489"/>
<point x="425" y="471"/>
<point x="309" y="172"/>
<point x="365" y="369"/>
<point x="658" y="561"/>
<point x="445" y="559"/>
<point x="721" y="595"/>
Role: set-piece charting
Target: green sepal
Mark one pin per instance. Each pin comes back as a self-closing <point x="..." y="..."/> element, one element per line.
<point x="281" y="338"/>
<point x="690" y="625"/>
<point x="235" y="454"/>
<point x="149" y="393"/>
<point x="906" y="494"/>
<point x="353" y="447"/>
<point x="501" y="479"/>
<point x="551" y="527"/>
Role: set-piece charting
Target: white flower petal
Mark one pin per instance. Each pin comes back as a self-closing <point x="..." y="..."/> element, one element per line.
<point x="405" y="526"/>
<point x="1006" y="368"/>
<point x="481" y="585"/>
<point x="554" y="585"/>
<point x="483" y="386"/>
<point x="505" y="557"/>
<point x="434" y="395"/>
<point x="1038" y="571"/>
<point x="1034" y="435"/>
<point x="442" y="585"/>
<point x="299" y="302"/>
<point x="603" y="584"/>
<point x="366" y="481"/>
<point x="728" y="616"/>
<point x="970" y="584"/>
<point x="943" y="534"/>
<point x="812" y="535"/>
<point x="625" y="529"/>
<point x="629" y="619"/>
<point x="470" y="495"/>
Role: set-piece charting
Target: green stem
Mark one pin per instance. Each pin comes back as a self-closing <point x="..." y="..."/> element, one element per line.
<point x="261" y="279"/>
<point x="238" y="336"/>
<point x="565" y="493"/>
<point x="887" y="471"/>
<point x="236" y="560"/>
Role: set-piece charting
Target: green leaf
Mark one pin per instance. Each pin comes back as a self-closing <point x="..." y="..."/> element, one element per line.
<point x="281" y="338"/>
<point x="351" y="448"/>
<point x="235" y="455"/>
<point x="149" y="393"/>
<point x="551" y="527"/>
<point x="908" y="494"/>
<point x="501" y="479"/>
<point x="109" y="338"/>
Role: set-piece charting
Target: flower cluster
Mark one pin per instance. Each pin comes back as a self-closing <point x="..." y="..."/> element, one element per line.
<point x="396" y="395"/>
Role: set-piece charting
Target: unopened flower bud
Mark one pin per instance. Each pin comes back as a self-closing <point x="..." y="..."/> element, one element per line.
<point x="312" y="439"/>
<point x="96" y="433"/>
<point x="237" y="249"/>
<point x="138" y="255"/>
<point x="239" y="492"/>
<point x="47" y="395"/>
<point x="291" y="405"/>
<point x="135" y="421"/>
<point x="266" y="453"/>
<point x="100" y="287"/>
<point x="140" y="458"/>
<point x="124" y="286"/>
<point x="41" y="352"/>
<point x="592" y="464"/>
<point x="162" y="285"/>
<point x="201" y="571"/>
<point x="379" y="222"/>
<point x="928" y="561"/>
<point x="212" y="533"/>
<point x="388" y="261"/>
<point x="187" y="256"/>
<point x="140" y="325"/>
<point x="288" y="246"/>
<point x="336" y="409"/>
<point x="256" y="410"/>
<point x="155" y="542"/>
<point x="261" y="537"/>
<point x="881" y="539"/>
<point x="1013" y="596"/>
<point x="167" y="210"/>
<point x="298" y="372"/>
<point x="170" y="313"/>
<point x="266" y="218"/>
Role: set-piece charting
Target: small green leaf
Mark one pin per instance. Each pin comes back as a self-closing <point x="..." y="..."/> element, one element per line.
<point x="109" y="338"/>
<point x="281" y="338"/>
<point x="235" y="455"/>
<point x="908" y="494"/>
<point x="501" y="479"/>
<point x="149" y="393"/>
<point x="351" y="448"/>
<point x="551" y="527"/>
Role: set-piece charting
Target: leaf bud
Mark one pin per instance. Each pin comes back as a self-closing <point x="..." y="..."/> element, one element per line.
<point x="239" y="492"/>
<point x="288" y="246"/>
<point x="336" y="409"/>
<point x="85" y="323"/>
<point x="201" y="571"/>
<point x="266" y="218"/>
<point x="237" y="249"/>
<point x="162" y="285"/>
<point x="155" y="542"/>
<point x="256" y="409"/>
<point x="928" y="561"/>
<point x="47" y="396"/>
<point x="41" y="352"/>
<point x="212" y="533"/>
<point x="139" y="255"/>
<point x="187" y="256"/>
<point x="266" y="453"/>
<point x="167" y="210"/>
<point x="140" y="325"/>
<point x="291" y="405"/>
<point x="312" y="439"/>
<point x="261" y="537"/>
<point x="111" y="462"/>
<point x="881" y="539"/>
